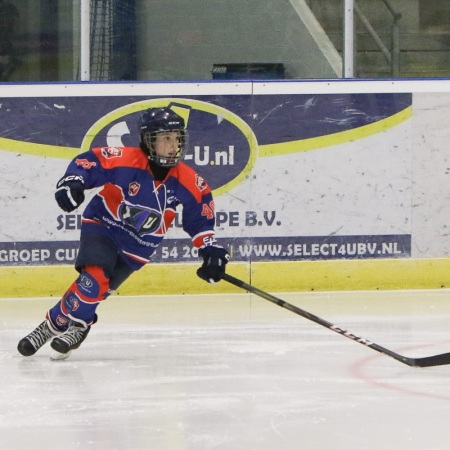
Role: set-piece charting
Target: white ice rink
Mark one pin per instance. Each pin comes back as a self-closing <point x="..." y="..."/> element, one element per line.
<point x="232" y="372"/>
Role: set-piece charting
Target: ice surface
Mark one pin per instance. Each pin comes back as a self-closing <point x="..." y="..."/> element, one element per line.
<point x="231" y="372"/>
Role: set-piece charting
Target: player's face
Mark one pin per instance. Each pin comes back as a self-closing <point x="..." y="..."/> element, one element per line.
<point x="167" y="144"/>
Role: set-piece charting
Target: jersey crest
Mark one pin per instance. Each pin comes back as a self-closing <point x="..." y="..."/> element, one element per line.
<point x="111" y="152"/>
<point x="143" y="220"/>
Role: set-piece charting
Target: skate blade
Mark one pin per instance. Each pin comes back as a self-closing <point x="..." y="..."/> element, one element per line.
<point x="57" y="356"/>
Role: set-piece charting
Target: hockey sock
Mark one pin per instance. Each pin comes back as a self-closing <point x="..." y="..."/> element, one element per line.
<point x="57" y="318"/>
<point x="82" y="298"/>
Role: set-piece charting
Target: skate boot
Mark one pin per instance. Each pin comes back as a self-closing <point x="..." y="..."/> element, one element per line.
<point x="72" y="338"/>
<point x="30" y="344"/>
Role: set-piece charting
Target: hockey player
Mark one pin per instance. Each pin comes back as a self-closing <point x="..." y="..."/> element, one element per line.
<point x="125" y="222"/>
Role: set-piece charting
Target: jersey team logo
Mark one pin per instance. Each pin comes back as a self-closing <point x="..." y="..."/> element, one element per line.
<point x="111" y="152"/>
<point x="200" y="183"/>
<point x="143" y="220"/>
<point x="133" y="188"/>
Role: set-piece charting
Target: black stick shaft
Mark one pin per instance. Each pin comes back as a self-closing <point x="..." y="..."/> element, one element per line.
<point x="428" y="361"/>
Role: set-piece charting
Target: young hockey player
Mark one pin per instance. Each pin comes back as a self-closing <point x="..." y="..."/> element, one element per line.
<point x="125" y="222"/>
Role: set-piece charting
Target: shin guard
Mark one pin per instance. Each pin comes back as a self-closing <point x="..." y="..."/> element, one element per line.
<point x="82" y="298"/>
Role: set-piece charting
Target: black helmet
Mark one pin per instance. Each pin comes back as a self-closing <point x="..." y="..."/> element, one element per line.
<point x="157" y="120"/>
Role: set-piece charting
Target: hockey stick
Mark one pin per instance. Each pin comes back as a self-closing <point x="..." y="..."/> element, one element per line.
<point x="428" y="361"/>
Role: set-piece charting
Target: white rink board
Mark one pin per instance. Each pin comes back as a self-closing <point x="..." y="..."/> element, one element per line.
<point x="374" y="185"/>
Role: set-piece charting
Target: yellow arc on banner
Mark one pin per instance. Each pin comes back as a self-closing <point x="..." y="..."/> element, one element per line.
<point x="302" y="145"/>
<point x="315" y="143"/>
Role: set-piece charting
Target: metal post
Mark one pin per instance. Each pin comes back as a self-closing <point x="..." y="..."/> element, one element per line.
<point x="85" y="39"/>
<point x="349" y="30"/>
<point x="395" y="62"/>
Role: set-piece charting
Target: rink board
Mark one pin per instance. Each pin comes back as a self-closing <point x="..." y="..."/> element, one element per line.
<point x="282" y="277"/>
<point x="319" y="185"/>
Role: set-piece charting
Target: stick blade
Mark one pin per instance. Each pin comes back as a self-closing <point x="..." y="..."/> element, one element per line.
<point x="430" y="361"/>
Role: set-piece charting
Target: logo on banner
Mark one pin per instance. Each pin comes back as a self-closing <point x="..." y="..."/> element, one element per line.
<point x="222" y="146"/>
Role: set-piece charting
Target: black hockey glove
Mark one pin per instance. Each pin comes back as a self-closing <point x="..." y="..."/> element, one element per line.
<point x="214" y="261"/>
<point x="70" y="192"/>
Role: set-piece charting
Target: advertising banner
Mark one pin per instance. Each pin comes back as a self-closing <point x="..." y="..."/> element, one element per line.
<point x="294" y="177"/>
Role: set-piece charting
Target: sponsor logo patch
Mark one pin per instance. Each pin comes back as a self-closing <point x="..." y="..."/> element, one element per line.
<point x="84" y="163"/>
<point x="72" y="302"/>
<point x="200" y="183"/>
<point x="111" y="152"/>
<point x="133" y="188"/>
<point x="61" y="321"/>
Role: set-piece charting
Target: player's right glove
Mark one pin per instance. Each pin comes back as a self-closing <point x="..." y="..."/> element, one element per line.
<point x="70" y="192"/>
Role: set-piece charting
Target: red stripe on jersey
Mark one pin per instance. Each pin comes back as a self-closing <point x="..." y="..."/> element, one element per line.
<point x="192" y="181"/>
<point x="169" y="215"/>
<point x="84" y="220"/>
<point x="112" y="198"/>
<point x="202" y="239"/>
<point x="135" y="257"/>
<point x="111" y="157"/>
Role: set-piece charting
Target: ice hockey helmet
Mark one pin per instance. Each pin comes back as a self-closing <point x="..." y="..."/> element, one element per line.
<point x="157" y="120"/>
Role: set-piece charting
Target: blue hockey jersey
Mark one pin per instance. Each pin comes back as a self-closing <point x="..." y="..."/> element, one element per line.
<point x="136" y="210"/>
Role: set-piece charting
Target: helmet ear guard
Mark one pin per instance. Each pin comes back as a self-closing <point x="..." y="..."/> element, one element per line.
<point x="157" y="120"/>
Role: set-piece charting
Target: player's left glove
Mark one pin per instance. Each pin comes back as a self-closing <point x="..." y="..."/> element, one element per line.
<point x="70" y="192"/>
<point x="215" y="259"/>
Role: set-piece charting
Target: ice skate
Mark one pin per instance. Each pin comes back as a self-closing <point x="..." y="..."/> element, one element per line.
<point x="30" y="344"/>
<point x="70" y="339"/>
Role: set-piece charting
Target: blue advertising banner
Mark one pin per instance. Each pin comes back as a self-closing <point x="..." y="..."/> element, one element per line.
<point x="298" y="248"/>
<point x="295" y="177"/>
